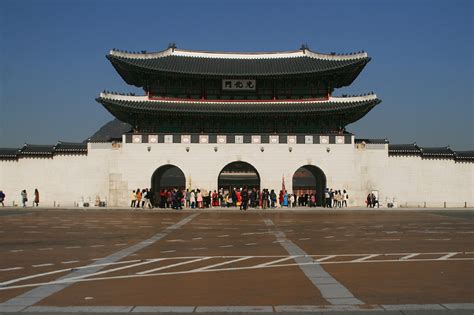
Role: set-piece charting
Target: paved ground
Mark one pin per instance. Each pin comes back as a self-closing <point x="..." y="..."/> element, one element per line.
<point x="229" y="261"/>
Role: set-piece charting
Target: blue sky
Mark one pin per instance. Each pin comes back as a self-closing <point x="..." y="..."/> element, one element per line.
<point x="53" y="65"/>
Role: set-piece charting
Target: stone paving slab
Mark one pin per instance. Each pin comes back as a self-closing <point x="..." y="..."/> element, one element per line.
<point x="79" y="309"/>
<point x="234" y="309"/>
<point x="163" y="309"/>
<point x="408" y="307"/>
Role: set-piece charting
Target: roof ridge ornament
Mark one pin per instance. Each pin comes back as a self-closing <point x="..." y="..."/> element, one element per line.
<point x="172" y="46"/>
<point x="304" y="47"/>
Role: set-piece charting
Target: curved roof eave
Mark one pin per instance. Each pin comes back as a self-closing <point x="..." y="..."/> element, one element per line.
<point x="333" y="105"/>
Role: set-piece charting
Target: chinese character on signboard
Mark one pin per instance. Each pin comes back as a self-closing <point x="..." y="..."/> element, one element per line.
<point x="239" y="85"/>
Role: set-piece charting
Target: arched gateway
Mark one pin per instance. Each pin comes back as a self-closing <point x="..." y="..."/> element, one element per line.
<point x="237" y="175"/>
<point x="310" y="179"/>
<point x="166" y="177"/>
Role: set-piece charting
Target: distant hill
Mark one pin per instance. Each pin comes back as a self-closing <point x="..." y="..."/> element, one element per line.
<point x="111" y="130"/>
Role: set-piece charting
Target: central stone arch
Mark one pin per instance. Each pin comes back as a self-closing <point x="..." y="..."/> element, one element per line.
<point x="310" y="179"/>
<point x="238" y="174"/>
<point x="166" y="177"/>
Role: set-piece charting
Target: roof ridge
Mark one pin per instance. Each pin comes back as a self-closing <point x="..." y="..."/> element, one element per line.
<point x="172" y="51"/>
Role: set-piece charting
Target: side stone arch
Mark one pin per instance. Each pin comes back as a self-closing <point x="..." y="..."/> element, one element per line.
<point x="167" y="176"/>
<point x="310" y="179"/>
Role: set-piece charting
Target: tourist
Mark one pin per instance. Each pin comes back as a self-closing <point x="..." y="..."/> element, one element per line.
<point x="192" y="199"/>
<point x="285" y="199"/>
<point x="143" y="198"/>
<point x="24" y="197"/>
<point x="234" y="197"/>
<point x="2" y="198"/>
<point x="215" y="199"/>
<point x="244" y="195"/>
<point x="345" y="197"/>
<point x="169" y="198"/>
<point x="369" y="201"/>
<point x="199" y="199"/>
<point x="280" y="198"/>
<point x="188" y="196"/>
<point x="228" y="200"/>
<point x="337" y="199"/>
<point x="253" y="198"/>
<point x="208" y="199"/>
<point x="37" y="198"/>
<point x="375" y="201"/>
<point x="265" y="198"/>
<point x="239" y="197"/>
<point x="312" y="201"/>
<point x="273" y="198"/>
<point x="139" y="197"/>
<point x="178" y="196"/>
<point x="292" y="200"/>
<point x="133" y="199"/>
<point x="327" y="199"/>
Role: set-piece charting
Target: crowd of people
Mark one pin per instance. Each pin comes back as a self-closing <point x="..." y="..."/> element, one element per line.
<point x="23" y="198"/>
<point x="243" y="198"/>
<point x="372" y="201"/>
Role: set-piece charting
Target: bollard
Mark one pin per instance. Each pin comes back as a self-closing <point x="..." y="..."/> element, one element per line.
<point x="445" y="204"/>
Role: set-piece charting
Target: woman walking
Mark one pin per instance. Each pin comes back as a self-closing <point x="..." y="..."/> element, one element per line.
<point x="24" y="198"/>
<point x="199" y="199"/>
<point x="37" y="197"/>
<point x="133" y="199"/>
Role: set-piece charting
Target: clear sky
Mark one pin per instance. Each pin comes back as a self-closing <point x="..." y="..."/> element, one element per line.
<point x="53" y="65"/>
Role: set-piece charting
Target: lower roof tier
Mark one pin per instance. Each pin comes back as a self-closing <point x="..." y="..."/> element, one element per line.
<point x="182" y="115"/>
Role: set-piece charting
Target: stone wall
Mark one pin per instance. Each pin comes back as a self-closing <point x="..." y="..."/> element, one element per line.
<point x="112" y="173"/>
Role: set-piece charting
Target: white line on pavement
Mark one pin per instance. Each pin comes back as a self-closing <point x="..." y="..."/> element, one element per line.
<point x="173" y="265"/>
<point x="274" y="262"/>
<point x="409" y="256"/>
<point x="365" y="258"/>
<point x="41" y="265"/>
<point x="221" y="264"/>
<point x="12" y="268"/>
<point x="325" y="258"/>
<point x="447" y="256"/>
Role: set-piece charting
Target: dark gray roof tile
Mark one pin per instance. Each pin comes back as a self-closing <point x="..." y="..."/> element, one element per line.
<point x="9" y="153"/>
<point x="37" y="149"/>
<point x="464" y="155"/>
<point x="396" y="149"/>
<point x="70" y="148"/>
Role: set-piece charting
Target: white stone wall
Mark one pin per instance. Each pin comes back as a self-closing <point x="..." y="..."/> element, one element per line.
<point x="112" y="174"/>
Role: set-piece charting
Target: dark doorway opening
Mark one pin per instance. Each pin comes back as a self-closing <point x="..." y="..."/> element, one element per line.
<point x="310" y="179"/>
<point x="166" y="177"/>
<point x="237" y="175"/>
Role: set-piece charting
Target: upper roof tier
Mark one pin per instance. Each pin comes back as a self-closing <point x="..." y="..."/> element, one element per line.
<point x="138" y="68"/>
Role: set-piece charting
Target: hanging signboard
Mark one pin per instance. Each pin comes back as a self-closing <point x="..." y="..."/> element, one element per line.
<point x="238" y="85"/>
